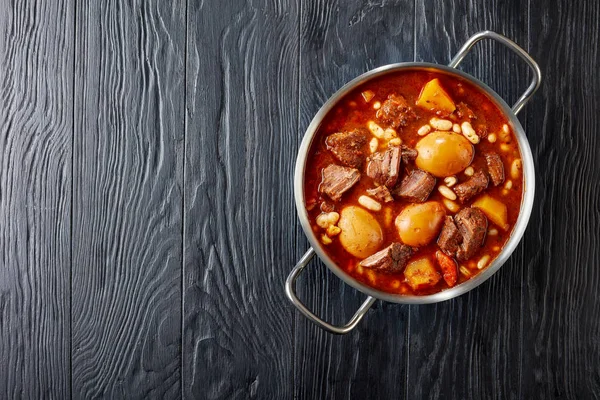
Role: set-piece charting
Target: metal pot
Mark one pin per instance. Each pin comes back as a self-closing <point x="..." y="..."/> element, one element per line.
<point x="519" y="228"/>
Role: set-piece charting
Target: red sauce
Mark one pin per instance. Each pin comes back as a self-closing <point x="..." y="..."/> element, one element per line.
<point x="352" y="112"/>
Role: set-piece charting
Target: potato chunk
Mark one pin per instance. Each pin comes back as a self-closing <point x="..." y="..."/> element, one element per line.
<point x="434" y="98"/>
<point x="421" y="273"/>
<point x="444" y="154"/>
<point x="361" y="234"/>
<point x="494" y="209"/>
<point x="419" y="224"/>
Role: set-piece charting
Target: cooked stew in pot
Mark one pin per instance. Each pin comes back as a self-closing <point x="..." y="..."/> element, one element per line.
<point x="413" y="182"/>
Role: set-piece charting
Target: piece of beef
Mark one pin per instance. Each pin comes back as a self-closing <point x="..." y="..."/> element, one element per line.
<point x="416" y="186"/>
<point x="326" y="207"/>
<point x="336" y="180"/>
<point x="384" y="167"/>
<point x="472" y="225"/>
<point x="381" y="193"/>
<point x="391" y="259"/>
<point x="463" y="111"/>
<point x="475" y="185"/>
<point x="450" y="238"/>
<point x="495" y="168"/>
<point x="396" y="112"/>
<point x="349" y="147"/>
<point x="408" y="154"/>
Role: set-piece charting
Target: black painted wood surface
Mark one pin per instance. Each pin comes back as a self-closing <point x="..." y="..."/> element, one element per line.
<point x="148" y="221"/>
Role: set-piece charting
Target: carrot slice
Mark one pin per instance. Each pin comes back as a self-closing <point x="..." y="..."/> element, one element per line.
<point x="448" y="266"/>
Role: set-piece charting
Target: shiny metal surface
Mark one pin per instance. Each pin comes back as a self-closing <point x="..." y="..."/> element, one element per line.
<point x="528" y="176"/>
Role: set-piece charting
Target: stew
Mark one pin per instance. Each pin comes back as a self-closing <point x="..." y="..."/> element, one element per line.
<point x="413" y="182"/>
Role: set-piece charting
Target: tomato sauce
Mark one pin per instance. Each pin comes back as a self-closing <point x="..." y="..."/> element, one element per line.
<point x="353" y="111"/>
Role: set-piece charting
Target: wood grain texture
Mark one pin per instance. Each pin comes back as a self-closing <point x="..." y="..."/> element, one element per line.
<point x="561" y="301"/>
<point x="455" y="350"/>
<point x="239" y="212"/>
<point x="36" y="120"/>
<point x="339" y="41"/>
<point x="127" y="214"/>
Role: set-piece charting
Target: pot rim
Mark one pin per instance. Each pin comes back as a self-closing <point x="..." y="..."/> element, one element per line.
<point x="524" y="212"/>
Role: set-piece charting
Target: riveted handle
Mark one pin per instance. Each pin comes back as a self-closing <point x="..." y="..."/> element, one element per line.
<point x="537" y="74"/>
<point x="290" y="291"/>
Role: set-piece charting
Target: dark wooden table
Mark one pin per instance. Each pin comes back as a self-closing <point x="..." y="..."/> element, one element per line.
<point x="147" y="216"/>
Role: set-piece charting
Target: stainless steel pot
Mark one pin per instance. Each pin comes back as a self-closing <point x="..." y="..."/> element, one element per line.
<point x="517" y="233"/>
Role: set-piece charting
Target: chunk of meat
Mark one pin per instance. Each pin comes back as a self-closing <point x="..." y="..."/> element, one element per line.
<point x="450" y="238"/>
<point x="463" y="111"/>
<point x="336" y="180"/>
<point x="381" y="193"/>
<point x="448" y="267"/>
<point x="495" y="168"/>
<point x="396" y="112"/>
<point x="408" y="154"/>
<point x="349" y="147"/>
<point x="472" y="225"/>
<point x="475" y="185"/>
<point x="416" y="186"/>
<point x="391" y="259"/>
<point x="327" y="207"/>
<point x="384" y="167"/>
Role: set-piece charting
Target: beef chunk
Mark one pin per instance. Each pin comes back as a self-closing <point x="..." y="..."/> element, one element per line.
<point x="495" y="168"/>
<point x="416" y="186"/>
<point x="463" y="111"/>
<point x="462" y="236"/>
<point x="396" y="112"/>
<point x="391" y="259"/>
<point x="384" y="167"/>
<point x="336" y="180"/>
<point x="381" y="193"/>
<point x="408" y="154"/>
<point x="348" y="147"/>
<point x="327" y="207"/>
<point x="472" y="225"/>
<point x="450" y="238"/>
<point x="466" y="190"/>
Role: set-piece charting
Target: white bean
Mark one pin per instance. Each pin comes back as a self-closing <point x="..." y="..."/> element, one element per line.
<point x="369" y="203"/>
<point x="492" y="138"/>
<point x="508" y="185"/>
<point x="424" y="130"/>
<point x="450" y="205"/>
<point x="493" y="232"/>
<point x="504" y="147"/>
<point x="464" y="271"/>
<point x="469" y="171"/>
<point x="450" y="181"/>
<point x="373" y="145"/>
<point x="389" y="134"/>
<point x="483" y="261"/>
<point x="440" y="124"/>
<point x="395" y="142"/>
<point x="515" y="168"/>
<point x="456" y="128"/>
<point x="469" y="132"/>
<point x="447" y="192"/>
<point x="377" y="105"/>
<point x="506" y="129"/>
<point x="376" y="130"/>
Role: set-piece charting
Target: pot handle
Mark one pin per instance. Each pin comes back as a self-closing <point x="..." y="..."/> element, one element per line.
<point x="537" y="75"/>
<point x="290" y="291"/>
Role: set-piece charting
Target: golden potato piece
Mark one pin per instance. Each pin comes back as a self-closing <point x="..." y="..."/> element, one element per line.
<point x="444" y="153"/>
<point x="494" y="209"/>
<point x="421" y="273"/>
<point x="419" y="224"/>
<point x="361" y="234"/>
<point x="434" y="97"/>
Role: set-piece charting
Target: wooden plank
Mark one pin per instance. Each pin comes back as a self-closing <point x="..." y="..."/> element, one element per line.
<point x="341" y="40"/>
<point x="239" y="212"/>
<point x="36" y="128"/>
<point x="127" y="213"/>
<point x="470" y="347"/>
<point x="561" y="302"/>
